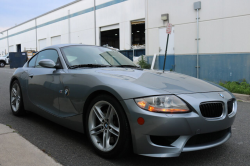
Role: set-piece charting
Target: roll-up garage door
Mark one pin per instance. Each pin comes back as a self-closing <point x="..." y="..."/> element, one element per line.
<point x="110" y="27"/>
<point x="42" y="44"/>
<point x="110" y="36"/>
<point x="56" y="40"/>
<point x="11" y="49"/>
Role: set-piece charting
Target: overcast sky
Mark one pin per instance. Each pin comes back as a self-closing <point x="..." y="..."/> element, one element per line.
<point x="17" y="11"/>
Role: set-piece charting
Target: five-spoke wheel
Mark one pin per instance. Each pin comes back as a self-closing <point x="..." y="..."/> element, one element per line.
<point x="104" y="126"/>
<point x="16" y="99"/>
<point x="107" y="126"/>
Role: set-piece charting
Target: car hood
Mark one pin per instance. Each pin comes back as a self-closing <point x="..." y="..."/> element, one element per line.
<point x="170" y="82"/>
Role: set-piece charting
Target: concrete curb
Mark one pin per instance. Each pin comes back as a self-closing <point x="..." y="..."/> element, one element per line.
<point x="15" y="150"/>
<point x="242" y="97"/>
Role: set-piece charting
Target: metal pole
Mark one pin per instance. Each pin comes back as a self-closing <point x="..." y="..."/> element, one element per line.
<point x="95" y="21"/>
<point x="133" y="52"/>
<point x="8" y="41"/>
<point x="36" y="34"/>
<point x="197" y="65"/>
<point x="165" y="54"/>
<point x="69" y="24"/>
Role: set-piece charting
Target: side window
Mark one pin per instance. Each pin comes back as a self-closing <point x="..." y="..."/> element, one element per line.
<point x="32" y="61"/>
<point x="47" y="54"/>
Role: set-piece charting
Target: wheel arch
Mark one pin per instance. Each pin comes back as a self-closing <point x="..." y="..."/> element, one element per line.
<point x="112" y="93"/>
<point x="14" y="78"/>
<point x="3" y="62"/>
<point x="91" y="96"/>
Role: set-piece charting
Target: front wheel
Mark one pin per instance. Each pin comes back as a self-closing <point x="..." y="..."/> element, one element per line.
<point x="16" y="101"/>
<point x="2" y="64"/>
<point x="107" y="127"/>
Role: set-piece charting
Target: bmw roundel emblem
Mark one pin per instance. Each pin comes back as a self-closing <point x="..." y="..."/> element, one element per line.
<point x="66" y="92"/>
<point x="221" y="95"/>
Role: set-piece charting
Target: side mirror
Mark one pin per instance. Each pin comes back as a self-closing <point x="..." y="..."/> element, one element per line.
<point x="47" y="63"/>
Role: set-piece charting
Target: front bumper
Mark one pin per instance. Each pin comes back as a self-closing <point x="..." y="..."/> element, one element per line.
<point x="183" y="126"/>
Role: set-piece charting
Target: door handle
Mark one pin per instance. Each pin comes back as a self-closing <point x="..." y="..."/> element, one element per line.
<point x="31" y="75"/>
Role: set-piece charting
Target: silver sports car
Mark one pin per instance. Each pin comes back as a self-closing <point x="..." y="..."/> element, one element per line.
<point x="100" y="92"/>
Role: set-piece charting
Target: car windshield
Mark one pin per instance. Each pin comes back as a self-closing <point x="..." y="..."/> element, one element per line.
<point x="81" y="55"/>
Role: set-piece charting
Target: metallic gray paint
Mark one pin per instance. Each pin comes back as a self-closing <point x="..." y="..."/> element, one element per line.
<point x="41" y="94"/>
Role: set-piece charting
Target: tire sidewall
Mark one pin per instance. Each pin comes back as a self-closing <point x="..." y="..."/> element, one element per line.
<point x="20" y="110"/>
<point x="2" y="64"/>
<point x="124" y="137"/>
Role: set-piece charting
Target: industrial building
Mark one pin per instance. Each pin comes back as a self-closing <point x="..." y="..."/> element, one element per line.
<point x="221" y="28"/>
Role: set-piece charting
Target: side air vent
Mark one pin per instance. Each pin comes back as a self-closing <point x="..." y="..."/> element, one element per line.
<point x="230" y="106"/>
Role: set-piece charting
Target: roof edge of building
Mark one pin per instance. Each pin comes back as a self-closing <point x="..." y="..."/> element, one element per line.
<point x="68" y="4"/>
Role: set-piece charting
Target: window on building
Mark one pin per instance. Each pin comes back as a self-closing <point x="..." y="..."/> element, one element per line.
<point x="18" y="47"/>
<point x="110" y="38"/>
<point x="138" y="33"/>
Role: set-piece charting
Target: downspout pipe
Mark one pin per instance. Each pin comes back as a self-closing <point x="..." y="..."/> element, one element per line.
<point x="8" y="41"/>
<point x="95" y="20"/>
<point x="36" y="35"/>
<point x="69" y="39"/>
<point x="197" y="65"/>
<point x="197" y="6"/>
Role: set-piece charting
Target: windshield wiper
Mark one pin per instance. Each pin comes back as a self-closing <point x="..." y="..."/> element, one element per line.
<point x="133" y="66"/>
<point x="88" y="65"/>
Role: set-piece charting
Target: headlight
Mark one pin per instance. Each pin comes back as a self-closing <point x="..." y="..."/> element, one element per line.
<point x="168" y="104"/>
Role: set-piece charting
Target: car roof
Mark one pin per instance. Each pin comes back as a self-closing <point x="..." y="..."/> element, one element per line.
<point x="64" y="45"/>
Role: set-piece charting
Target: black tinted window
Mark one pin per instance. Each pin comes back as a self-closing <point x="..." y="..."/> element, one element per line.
<point x="47" y="54"/>
<point x="32" y="61"/>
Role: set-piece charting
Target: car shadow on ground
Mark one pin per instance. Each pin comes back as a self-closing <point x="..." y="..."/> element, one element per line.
<point x="80" y="144"/>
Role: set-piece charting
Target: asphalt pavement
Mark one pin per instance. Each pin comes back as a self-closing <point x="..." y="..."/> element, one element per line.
<point x="72" y="148"/>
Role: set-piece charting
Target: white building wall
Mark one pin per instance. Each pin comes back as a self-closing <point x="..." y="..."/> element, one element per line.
<point x="122" y="14"/>
<point x="223" y="25"/>
<point x="26" y="39"/>
<point x="3" y="44"/>
<point x="80" y="28"/>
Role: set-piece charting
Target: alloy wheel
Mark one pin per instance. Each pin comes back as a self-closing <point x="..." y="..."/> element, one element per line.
<point x="15" y="97"/>
<point x="104" y="126"/>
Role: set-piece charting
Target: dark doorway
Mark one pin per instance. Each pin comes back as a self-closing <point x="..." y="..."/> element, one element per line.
<point x="18" y="47"/>
<point x="138" y="32"/>
<point x="111" y="38"/>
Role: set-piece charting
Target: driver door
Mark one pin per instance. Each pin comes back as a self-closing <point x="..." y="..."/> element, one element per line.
<point x="44" y="84"/>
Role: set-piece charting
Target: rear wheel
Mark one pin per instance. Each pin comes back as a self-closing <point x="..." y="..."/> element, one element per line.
<point x="107" y="127"/>
<point x="16" y="102"/>
<point x="2" y="64"/>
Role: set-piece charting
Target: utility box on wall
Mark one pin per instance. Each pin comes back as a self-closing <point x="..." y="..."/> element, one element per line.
<point x="17" y="59"/>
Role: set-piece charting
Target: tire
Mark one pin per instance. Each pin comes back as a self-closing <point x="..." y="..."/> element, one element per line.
<point x="117" y="143"/>
<point x="16" y="100"/>
<point x="2" y="64"/>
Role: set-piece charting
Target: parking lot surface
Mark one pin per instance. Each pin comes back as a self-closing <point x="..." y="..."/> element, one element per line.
<point x="72" y="148"/>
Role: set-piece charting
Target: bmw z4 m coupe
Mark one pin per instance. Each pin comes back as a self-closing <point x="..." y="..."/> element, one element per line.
<point x="118" y="105"/>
